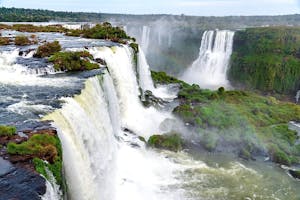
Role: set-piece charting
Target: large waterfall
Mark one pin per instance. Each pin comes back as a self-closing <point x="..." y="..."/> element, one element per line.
<point x="209" y="70"/>
<point x="100" y="155"/>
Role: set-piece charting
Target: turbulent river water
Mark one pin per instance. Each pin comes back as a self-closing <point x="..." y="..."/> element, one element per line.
<point x="99" y="118"/>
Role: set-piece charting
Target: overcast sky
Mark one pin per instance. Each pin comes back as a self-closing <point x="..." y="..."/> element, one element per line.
<point x="188" y="7"/>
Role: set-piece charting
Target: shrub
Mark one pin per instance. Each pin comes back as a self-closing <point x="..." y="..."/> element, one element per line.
<point x="73" y="61"/>
<point x="4" y="41"/>
<point x="7" y="130"/>
<point x="48" y="49"/>
<point x="22" y="40"/>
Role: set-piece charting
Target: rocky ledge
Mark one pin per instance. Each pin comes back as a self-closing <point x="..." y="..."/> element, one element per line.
<point x="25" y="156"/>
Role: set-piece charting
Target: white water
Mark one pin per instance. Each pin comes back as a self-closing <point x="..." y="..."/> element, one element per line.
<point x="17" y="74"/>
<point x="97" y="164"/>
<point x="143" y="121"/>
<point x="146" y="82"/>
<point x="209" y="70"/>
<point x="297" y="96"/>
<point x="53" y="191"/>
<point x="89" y="146"/>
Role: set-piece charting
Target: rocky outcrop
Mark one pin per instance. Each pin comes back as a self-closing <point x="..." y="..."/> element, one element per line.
<point x="21" y="184"/>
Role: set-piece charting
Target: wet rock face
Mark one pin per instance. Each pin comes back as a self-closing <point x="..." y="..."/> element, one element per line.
<point x="21" y="184"/>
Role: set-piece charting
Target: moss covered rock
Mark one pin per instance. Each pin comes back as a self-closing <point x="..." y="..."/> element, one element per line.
<point x="44" y="150"/>
<point x="171" y="141"/>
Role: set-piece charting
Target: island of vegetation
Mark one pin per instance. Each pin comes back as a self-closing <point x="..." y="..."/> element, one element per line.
<point x="242" y="122"/>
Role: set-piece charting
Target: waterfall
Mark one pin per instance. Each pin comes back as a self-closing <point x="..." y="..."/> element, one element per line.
<point x="145" y="38"/>
<point x="209" y="70"/>
<point x="53" y="191"/>
<point x="143" y="121"/>
<point x="146" y="82"/>
<point x="101" y="161"/>
<point x="145" y="79"/>
<point x="87" y="137"/>
<point x="297" y="96"/>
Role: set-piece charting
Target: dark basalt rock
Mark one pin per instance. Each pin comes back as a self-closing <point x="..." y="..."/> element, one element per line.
<point x="100" y="61"/>
<point x="21" y="184"/>
<point x="295" y="174"/>
<point x="148" y="99"/>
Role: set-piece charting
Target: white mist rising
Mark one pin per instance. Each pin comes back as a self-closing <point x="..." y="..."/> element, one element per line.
<point x="209" y="70"/>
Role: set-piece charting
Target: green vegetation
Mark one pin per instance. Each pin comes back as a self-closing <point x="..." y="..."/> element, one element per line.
<point x="48" y="49"/>
<point x="22" y="40"/>
<point x="102" y="31"/>
<point x="7" y="130"/>
<point x="4" y="41"/>
<point x="170" y="141"/>
<point x="73" y="61"/>
<point x="243" y="122"/>
<point x="267" y="59"/>
<point x="163" y="78"/>
<point x="42" y="147"/>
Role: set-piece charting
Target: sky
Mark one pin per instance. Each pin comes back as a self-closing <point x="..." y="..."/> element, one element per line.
<point x="187" y="7"/>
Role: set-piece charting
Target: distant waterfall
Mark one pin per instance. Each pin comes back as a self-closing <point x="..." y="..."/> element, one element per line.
<point x="145" y="79"/>
<point x="297" y="96"/>
<point x="145" y="38"/>
<point x="210" y="68"/>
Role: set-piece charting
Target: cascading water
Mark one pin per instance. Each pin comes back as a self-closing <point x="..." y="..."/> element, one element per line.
<point x="210" y="68"/>
<point x="105" y="159"/>
<point x="125" y="81"/>
<point x="146" y="82"/>
<point x="89" y="146"/>
<point x="145" y="38"/>
<point x="297" y="96"/>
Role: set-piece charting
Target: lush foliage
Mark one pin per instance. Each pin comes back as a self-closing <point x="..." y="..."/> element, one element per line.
<point x="267" y="59"/>
<point x="42" y="147"/>
<point x="73" y="61"/>
<point x="170" y="141"/>
<point x="102" y="31"/>
<point x="48" y="49"/>
<point x="240" y="122"/>
<point x="7" y="130"/>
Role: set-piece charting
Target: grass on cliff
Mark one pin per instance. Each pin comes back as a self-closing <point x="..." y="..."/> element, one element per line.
<point x="42" y="147"/>
<point x="267" y="59"/>
<point x="7" y="130"/>
<point x="241" y="122"/>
